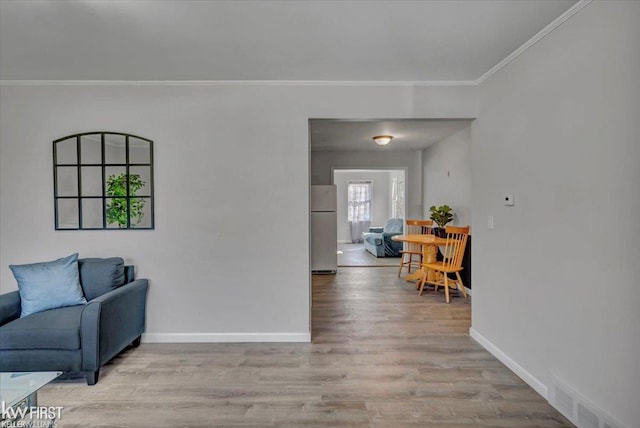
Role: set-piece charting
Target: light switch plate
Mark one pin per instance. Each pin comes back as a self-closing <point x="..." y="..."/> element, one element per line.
<point x="509" y="200"/>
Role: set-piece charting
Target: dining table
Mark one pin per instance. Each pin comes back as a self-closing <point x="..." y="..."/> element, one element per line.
<point x="429" y="244"/>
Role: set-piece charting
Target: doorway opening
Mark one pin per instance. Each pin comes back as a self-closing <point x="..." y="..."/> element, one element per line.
<point x="435" y="157"/>
<point x="366" y="199"/>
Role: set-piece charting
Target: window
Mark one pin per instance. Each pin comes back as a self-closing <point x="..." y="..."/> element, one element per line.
<point x="359" y="201"/>
<point x="103" y="180"/>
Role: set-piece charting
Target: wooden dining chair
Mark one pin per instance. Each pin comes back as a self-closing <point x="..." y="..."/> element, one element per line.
<point x="452" y="253"/>
<point x="413" y="227"/>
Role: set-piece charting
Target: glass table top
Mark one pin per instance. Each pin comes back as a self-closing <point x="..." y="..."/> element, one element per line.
<point x="16" y="386"/>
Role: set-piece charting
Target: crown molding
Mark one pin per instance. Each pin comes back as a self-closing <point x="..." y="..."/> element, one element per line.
<point x="535" y="39"/>
<point x="532" y="41"/>
<point x="234" y="83"/>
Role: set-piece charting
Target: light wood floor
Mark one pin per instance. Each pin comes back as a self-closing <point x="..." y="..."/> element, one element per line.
<point x="381" y="356"/>
<point x="354" y="255"/>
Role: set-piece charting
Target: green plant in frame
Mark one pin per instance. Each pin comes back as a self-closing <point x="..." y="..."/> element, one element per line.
<point x="441" y="215"/>
<point x="117" y="208"/>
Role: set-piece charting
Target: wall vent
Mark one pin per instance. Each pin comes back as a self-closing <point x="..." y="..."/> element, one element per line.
<point x="578" y="409"/>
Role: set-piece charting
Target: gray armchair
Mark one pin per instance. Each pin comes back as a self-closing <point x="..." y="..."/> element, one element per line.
<point x="78" y="338"/>
<point x="378" y="240"/>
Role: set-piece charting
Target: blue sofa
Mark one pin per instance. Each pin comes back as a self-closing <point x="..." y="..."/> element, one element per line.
<point x="378" y="240"/>
<point x="78" y="338"/>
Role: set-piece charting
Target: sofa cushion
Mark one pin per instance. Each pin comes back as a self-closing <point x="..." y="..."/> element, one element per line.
<point x="52" y="329"/>
<point x="48" y="285"/>
<point x="99" y="276"/>
<point x="393" y="225"/>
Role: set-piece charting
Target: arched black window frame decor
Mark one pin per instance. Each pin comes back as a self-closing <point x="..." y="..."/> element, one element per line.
<point x="110" y="198"/>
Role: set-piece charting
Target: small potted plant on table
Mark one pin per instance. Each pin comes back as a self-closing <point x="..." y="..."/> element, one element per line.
<point x="441" y="216"/>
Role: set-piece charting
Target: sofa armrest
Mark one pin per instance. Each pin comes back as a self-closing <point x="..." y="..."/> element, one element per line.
<point x="376" y="229"/>
<point x="111" y="322"/>
<point x="391" y="247"/>
<point x="10" y="307"/>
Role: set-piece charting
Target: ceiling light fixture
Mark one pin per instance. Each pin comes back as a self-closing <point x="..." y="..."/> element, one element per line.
<point x="382" y="140"/>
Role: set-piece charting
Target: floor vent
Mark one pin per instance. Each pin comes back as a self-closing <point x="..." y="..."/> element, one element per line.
<point x="563" y="402"/>
<point x="586" y="418"/>
<point x="579" y="410"/>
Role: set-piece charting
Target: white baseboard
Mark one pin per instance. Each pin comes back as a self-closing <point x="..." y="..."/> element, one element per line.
<point x="225" y="337"/>
<point x="531" y="380"/>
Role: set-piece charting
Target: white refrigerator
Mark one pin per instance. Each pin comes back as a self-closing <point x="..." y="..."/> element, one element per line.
<point x="324" y="229"/>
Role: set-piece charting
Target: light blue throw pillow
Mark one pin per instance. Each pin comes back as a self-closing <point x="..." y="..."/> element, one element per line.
<point x="49" y="285"/>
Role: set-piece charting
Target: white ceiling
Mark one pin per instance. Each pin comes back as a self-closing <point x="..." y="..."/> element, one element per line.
<point x="265" y="40"/>
<point x="357" y="135"/>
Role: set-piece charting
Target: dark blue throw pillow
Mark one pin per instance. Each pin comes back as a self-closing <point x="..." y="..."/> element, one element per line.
<point x="99" y="276"/>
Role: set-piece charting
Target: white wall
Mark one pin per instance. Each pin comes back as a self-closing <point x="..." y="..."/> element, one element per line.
<point x="447" y="176"/>
<point x="379" y="202"/>
<point x="555" y="284"/>
<point x="228" y="259"/>
<point x="322" y="162"/>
